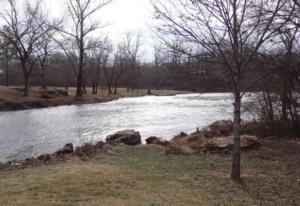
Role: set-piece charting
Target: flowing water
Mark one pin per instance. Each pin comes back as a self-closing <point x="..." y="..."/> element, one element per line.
<point x="32" y="132"/>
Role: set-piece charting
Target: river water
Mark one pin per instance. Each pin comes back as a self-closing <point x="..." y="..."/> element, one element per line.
<point x="32" y="132"/>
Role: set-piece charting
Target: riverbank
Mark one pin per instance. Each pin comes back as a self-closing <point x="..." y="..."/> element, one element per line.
<point x="145" y="175"/>
<point x="122" y="171"/>
<point x="11" y="98"/>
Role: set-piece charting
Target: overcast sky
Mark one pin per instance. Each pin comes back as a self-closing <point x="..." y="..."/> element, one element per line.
<point x="122" y="16"/>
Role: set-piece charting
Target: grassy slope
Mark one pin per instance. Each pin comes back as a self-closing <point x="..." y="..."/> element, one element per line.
<point x="144" y="175"/>
<point x="11" y="98"/>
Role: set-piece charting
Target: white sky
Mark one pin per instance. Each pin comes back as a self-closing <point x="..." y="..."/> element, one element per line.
<point x="123" y="16"/>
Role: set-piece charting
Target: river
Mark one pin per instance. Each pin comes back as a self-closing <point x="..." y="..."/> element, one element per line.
<point x="33" y="132"/>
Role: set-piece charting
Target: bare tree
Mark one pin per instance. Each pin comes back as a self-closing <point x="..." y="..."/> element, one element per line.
<point x="7" y="55"/>
<point x="121" y="63"/>
<point x="24" y="30"/>
<point x="230" y="31"/>
<point x="43" y="54"/>
<point x="81" y="12"/>
<point x="98" y="53"/>
<point x="132" y="46"/>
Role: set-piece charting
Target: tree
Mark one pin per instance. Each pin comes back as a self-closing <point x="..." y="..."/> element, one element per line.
<point x="43" y="53"/>
<point x="230" y="31"/>
<point x="131" y="46"/>
<point x="24" y="30"/>
<point x="97" y="59"/>
<point x="81" y="12"/>
<point x="121" y="63"/>
<point x="7" y="55"/>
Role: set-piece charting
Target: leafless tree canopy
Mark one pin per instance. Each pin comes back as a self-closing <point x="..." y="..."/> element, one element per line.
<point x="24" y="30"/>
<point x="231" y="32"/>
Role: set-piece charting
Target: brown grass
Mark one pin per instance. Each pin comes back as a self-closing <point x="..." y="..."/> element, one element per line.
<point x="144" y="175"/>
<point x="12" y="99"/>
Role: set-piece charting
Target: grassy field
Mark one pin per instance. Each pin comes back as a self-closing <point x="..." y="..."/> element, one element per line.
<point x="144" y="175"/>
<point x="11" y="98"/>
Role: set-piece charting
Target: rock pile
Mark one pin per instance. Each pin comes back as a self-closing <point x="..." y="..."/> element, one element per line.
<point x="216" y="137"/>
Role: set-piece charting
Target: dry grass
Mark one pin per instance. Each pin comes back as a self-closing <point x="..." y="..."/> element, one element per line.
<point x="11" y="98"/>
<point x="144" y="175"/>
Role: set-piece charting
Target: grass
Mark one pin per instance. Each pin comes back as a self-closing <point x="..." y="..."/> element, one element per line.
<point x="11" y="97"/>
<point x="144" y="175"/>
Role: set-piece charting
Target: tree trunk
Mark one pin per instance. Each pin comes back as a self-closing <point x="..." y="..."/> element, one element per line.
<point x="81" y="56"/>
<point x="94" y="89"/>
<point x="26" y="85"/>
<point x="79" y="77"/>
<point x="7" y="73"/>
<point x="236" y="159"/>
<point x="109" y="90"/>
<point x="44" y="81"/>
<point x="116" y="89"/>
<point x="284" y="107"/>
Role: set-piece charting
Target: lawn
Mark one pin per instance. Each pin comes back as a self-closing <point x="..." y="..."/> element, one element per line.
<point x="144" y="175"/>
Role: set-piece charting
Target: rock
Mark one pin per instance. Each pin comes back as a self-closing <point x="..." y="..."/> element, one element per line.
<point x="198" y="143"/>
<point x="31" y="162"/>
<point x="222" y="143"/>
<point x="45" y="158"/>
<point x="4" y="165"/>
<point x="67" y="149"/>
<point x="128" y="137"/>
<point x="218" y="128"/>
<point x="187" y="144"/>
<point x="89" y="149"/>
<point x="157" y="141"/>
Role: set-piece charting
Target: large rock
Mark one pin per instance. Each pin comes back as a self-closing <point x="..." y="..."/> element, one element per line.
<point x="67" y="149"/>
<point x="45" y="158"/>
<point x="128" y="137"/>
<point x="198" y="143"/>
<point x="221" y="143"/>
<point x="218" y="128"/>
<point x="89" y="150"/>
<point x="157" y="141"/>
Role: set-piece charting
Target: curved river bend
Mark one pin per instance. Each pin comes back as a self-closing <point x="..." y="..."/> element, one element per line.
<point x="32" y="132"/>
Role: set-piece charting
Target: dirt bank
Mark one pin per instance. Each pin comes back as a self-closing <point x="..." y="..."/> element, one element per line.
<point x="11" y="98"/>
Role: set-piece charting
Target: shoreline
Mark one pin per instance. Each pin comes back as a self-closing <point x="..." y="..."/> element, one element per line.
<point x="115" y="173"/>
<point x="11" y="98"/>
<point x="251" y="135"/>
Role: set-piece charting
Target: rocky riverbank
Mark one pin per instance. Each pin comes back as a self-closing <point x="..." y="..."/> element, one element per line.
<point x="215" y="138"/>
<point x="122" y="171"/>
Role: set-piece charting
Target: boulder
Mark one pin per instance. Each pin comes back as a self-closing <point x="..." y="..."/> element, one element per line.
<point x="31" y="162"/>
<point x="45" y="158"/>
<point x="88" y="150"/>
<point x="218" y="128"/>
<point x="157" y="141"/>
<point x="221" y="143"/>
<point x="4" y="165"/>
<point x="128" y="137"/>
<point x="67" y="149"/>
<point x="198" y="143"/>
<point x="187" y="144"/>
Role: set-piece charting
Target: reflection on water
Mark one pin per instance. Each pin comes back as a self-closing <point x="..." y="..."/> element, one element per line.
<point x="33" y="132"/>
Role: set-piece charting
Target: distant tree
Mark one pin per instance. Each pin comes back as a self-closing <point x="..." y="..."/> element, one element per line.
<point x="121" y="63"/>
<point x="23" y="30"/>
<point x="7" y="55"/>
<point x="131" y="45"/>
<point x="43" y="53"/>
<point x="98" y="54"/>
<point x="80" y="13"/>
